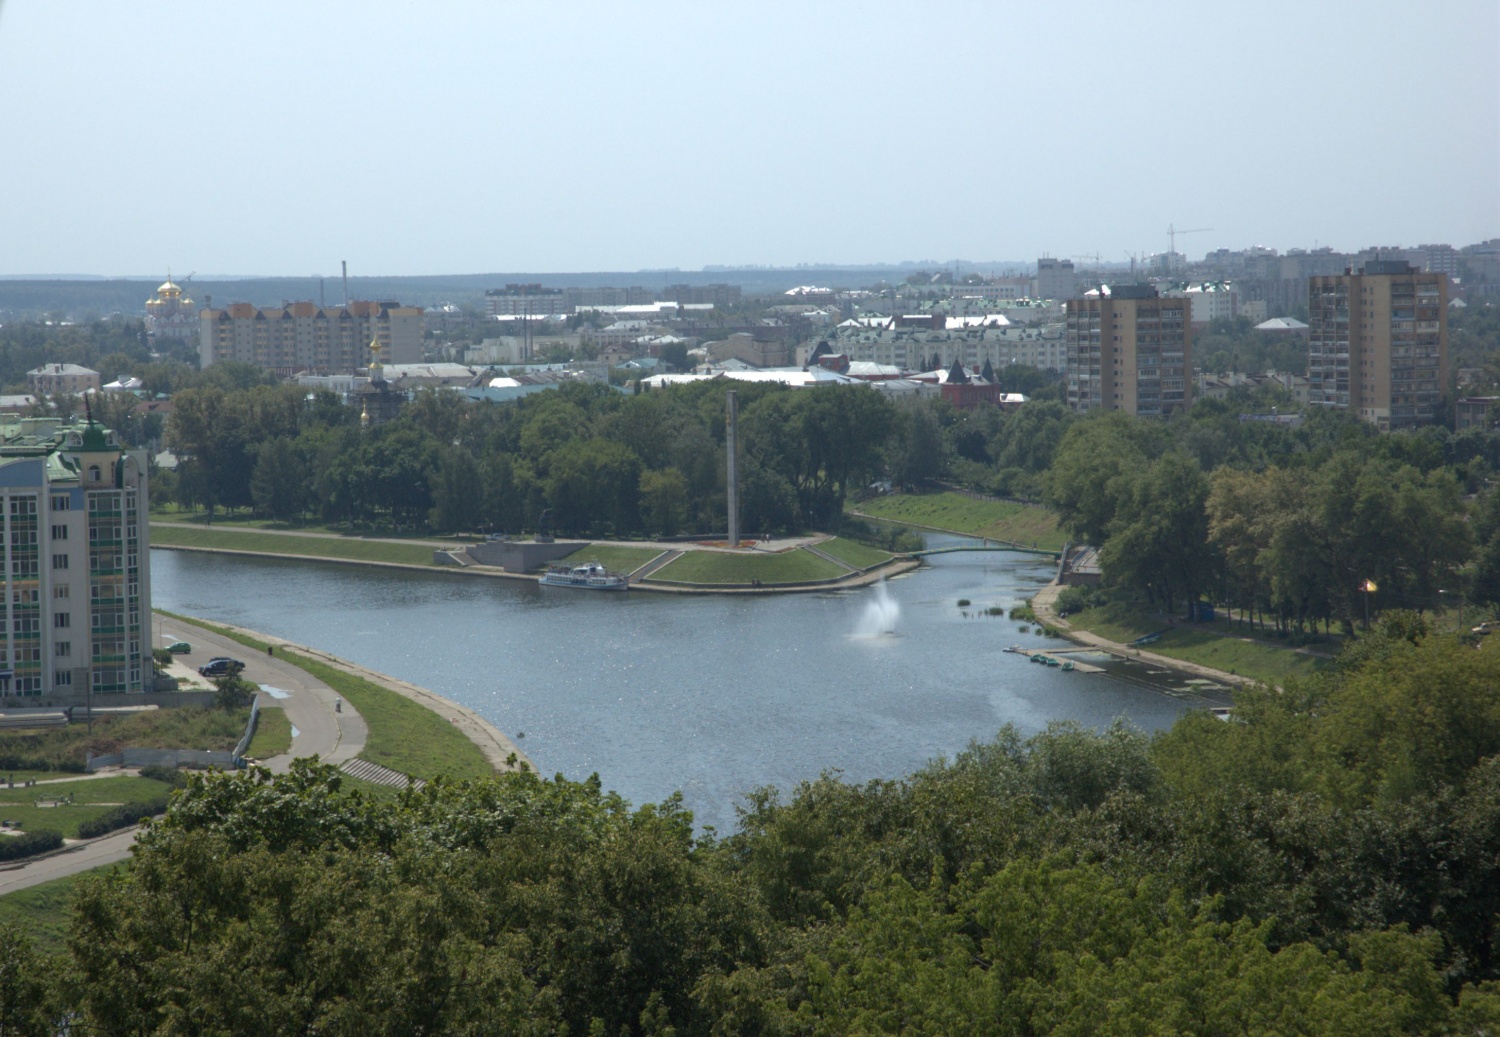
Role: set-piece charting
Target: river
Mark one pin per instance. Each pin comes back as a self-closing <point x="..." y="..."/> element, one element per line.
<point x="707" y="694"/>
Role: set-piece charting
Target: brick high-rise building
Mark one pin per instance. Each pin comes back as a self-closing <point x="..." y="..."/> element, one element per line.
<point x="303" y="336"/>
<point x="1378" y="342"/>
<point x="1129" y="349"/>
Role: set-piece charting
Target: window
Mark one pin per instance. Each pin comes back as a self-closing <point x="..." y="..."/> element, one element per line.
<point x="61" y="620"/>
<point x="59" y="561"/>
<point x="60" y="591"/>
<point x="62" y="648"/>
<point x="24" y="595"/>
<point x="63" y="680"/>
<point x="94" y="475"/>
<point x="61" y="502"/>
<point x="59" y="532"/>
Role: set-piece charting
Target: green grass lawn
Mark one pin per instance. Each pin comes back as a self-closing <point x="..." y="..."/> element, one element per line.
<point x="351" y="548"/>
<point x="91" y="798"/>
<point x="859" y="556"/>
<point x="240" y="520"/>
<point x="998" y="520"/>
<point x="181" y="727"/>
<point x="1219" y="644"/>
<point x="613" y="557"/>
<point x="711" y="567"/>
<point x="44" y="911"/>
<point x="273" y="734"/>
<point x="404" y="735"/>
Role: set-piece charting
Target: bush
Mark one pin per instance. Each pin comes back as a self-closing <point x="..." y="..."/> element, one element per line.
<point x="963" y="603"/>
<point x="166" y="775"/>
<point x="121" y="817"/>
<point x="1076" y="599"/>
<point x="1023" y="612"/>
<point x="40" y="763"/>
<point x="29" y="844"/>
<point x="233" y="692"/>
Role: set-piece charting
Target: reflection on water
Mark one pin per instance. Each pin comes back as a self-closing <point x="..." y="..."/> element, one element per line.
<point x="711" y="695"/>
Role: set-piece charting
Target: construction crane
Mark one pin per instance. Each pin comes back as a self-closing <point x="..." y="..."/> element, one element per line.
<point x="1096" y="257"/>
<point x="1172" y="233"/>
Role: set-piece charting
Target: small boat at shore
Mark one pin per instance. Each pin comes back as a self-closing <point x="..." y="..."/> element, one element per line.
<point x="591" y="576"/>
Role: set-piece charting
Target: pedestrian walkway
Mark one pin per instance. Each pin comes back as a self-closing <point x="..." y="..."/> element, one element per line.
<point x="1044" y="605"/>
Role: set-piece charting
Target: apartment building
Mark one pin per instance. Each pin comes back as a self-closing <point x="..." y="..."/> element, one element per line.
<point x="1378" y="342"/>
<point x="51" y="379"/>
<point x="76" y="537"/>
<point x="1129" y="349"/>
<point x="305" y="337"/>
<point x="1055" y="278"/>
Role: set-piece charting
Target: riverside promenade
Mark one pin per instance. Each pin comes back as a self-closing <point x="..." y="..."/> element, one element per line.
<point x="1044" y="604"/>
<point x="326" y="726"/>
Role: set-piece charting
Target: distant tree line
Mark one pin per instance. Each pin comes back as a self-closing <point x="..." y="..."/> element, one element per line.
<point x="596" y="460"/>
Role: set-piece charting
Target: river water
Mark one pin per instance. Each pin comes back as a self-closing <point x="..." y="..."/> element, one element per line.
<point x="707" y="694"/>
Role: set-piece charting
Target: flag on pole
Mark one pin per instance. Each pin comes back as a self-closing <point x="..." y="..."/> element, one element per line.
<point x="1368" y="587"/>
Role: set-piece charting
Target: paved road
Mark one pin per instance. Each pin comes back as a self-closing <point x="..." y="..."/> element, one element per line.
<point x="333" y="735"/>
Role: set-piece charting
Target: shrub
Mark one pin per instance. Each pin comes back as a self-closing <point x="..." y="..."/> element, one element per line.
<point x="121" y="817"/>
<point x="994" y="610"/>
<point x="1023" y="612"/>
<point x="963" y="603"/>
<point x="233" y="692"/>
<point x="1076" y="599"/>
<point x="167" y="775"/>
<point x="29" y="844"/>
<point x="9" y="762"/>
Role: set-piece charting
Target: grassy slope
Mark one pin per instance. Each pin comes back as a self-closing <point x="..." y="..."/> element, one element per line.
<point x="273" y="734"/>
<point x="327" y="547"/>
<point x="404" y="735"/>
<point x="613" y="557"/>
<point x="856" y="554"/>
<point x="182" y="727"/>
<point x="91" y="798"/>
<point x="43" y="911"/>
<point x="1218" y="644"/>
<point x="721" y="567"/>
<point x="998" y="520"/>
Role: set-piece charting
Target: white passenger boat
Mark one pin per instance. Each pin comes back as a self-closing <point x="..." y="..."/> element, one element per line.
<point x="592" y="576"/>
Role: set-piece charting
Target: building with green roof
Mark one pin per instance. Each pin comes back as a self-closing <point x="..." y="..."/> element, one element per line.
<point x="75" y="535"/>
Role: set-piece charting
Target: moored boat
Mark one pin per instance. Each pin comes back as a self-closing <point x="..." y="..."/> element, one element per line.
<point x="591" y="576"/>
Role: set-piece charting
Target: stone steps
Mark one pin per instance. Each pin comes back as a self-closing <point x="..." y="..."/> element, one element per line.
<point x="374" y="773"/>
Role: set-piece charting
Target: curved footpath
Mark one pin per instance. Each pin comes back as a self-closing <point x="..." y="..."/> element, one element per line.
<point x="1043" y="604"/>
<point x="334" y="734"/>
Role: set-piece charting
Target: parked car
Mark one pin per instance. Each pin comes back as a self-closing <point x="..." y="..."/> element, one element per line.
<point x="179" y="648"/>
<point x="221" y="666"/>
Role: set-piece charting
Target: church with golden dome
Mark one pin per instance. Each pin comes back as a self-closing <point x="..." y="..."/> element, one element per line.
<point x="170" y="313"/>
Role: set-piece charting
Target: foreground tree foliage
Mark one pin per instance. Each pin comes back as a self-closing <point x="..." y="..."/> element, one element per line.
<point x="1326" y="863"/>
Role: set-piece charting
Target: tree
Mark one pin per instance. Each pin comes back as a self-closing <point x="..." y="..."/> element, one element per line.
<point x="279" y="484"/>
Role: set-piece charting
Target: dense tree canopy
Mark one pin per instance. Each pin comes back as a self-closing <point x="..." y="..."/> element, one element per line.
<point x="1327" y="862"/>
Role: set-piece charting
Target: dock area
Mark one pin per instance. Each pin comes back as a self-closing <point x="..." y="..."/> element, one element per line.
<point x="1059" y="657"/>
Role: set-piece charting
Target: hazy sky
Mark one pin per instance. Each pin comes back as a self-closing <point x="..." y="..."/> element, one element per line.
<point x="433" y="137"/>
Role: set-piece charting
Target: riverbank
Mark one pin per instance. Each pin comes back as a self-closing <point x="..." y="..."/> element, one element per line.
<point x="799" y="565"/>
<point x="1044" y="605"/>
<point x="962" y="515"/>
<point x="398" y="737"/>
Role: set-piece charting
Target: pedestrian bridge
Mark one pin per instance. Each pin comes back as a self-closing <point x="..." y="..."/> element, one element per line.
<point x="997" y="546"/>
